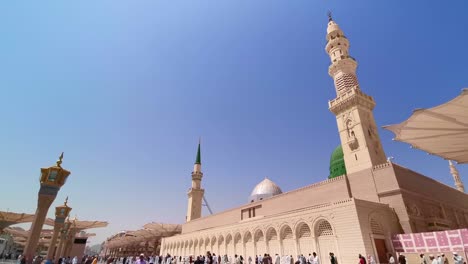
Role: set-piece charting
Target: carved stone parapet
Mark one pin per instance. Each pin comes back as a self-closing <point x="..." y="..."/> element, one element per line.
<point x="196" y="175"/>
<point x="352" y="97"/>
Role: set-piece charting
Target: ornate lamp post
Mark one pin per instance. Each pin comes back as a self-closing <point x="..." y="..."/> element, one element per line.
<point x="61" y="212"/>
<point x="52" y="179"/>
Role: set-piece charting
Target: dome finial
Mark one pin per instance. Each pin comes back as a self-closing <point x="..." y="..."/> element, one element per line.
<point x="59" y="161"/>
<point x="329" y="13"/>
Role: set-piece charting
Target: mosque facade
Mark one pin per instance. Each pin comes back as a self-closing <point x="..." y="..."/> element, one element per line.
<point x="366" y="199"/>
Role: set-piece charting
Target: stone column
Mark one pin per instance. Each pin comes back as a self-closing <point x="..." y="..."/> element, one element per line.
<point x="60" y="246"/>
<point x="43" y="205"/>
<point x="70" y="242"/>
<point x="57" y="227"/>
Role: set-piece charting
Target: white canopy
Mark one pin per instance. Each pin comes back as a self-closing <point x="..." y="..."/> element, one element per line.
<point x="441" y="130"/>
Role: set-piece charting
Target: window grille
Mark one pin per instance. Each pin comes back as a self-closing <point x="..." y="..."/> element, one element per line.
<point x="324" y="228"/>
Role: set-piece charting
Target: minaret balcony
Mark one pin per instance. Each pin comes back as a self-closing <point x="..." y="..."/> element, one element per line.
<point x="349" y="98"/>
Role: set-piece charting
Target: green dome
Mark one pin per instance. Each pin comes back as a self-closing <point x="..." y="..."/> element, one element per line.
<point x="337" y="164"/>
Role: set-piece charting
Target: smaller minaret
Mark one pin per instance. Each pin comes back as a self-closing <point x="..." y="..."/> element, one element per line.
<point x="456" y="177"/>
<point x="195" y="193"/>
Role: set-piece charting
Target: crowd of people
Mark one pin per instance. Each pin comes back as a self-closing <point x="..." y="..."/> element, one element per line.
<point x="212" y="258"/>
<point x="62" y="260"/>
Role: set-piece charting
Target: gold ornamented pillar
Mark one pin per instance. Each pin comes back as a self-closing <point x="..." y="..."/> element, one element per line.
<point x="51" y="179"/>
<point x="61" y="213"/>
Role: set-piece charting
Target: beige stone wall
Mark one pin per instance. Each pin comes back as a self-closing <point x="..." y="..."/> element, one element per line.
<point x="328" y="227"/>
<point x="317" y="193"/>
<point x="414" y="197"/>
<point x="427" y="200"/>
<point x="421" y="185"/>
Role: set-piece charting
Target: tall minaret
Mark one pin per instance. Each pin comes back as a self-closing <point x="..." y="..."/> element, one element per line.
<point x="353" y="108"/>
<point x="456" y="177"/>
<point x="195" y="194"/>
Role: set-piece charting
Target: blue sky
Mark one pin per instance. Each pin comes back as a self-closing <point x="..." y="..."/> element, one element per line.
<point x="125" y="88"/>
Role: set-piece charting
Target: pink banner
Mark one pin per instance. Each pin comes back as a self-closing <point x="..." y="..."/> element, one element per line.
<point x="443" y="241"/>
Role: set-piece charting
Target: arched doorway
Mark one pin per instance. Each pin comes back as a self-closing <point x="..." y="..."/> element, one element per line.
<point x="272" y="240"/>
<point x="237" y="244"/>
<point x="207" y="246"/>
<point x="260" y="243"/>
<point x="248" y="246"/>
<point x="304" y="239"/>
<point x="200" y="246"/>
<point x="326" y="239"/>
<point x="195" y="248"/>
<point x="229" y="246"/>
<point x="190" y="251"/>
<point x="287" y="240"/>
<point x="221" y="246"/>
<point x="214" y="246"/>
<point x="378" y="239"/>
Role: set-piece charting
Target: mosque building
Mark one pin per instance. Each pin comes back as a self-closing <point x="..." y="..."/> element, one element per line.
<point x="373" y="198"/>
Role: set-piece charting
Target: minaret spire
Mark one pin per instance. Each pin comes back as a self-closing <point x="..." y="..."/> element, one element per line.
<point x="353" y="108"/>
<point x="197" y="166"/>
<point x="329" y="13"/>
<point x="198" y="159"/>
<point x="195" y="193"/>
<point x="456" y="177"/>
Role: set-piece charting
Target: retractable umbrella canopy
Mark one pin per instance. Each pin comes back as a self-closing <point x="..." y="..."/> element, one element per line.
<point x="441" y="130"/>
<point x="10" y="218"/>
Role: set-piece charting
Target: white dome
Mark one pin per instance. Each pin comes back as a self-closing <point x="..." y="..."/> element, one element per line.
<point x="264" y="189"/>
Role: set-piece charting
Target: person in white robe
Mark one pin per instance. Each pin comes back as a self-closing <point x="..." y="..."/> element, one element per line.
<point x="283" y="260"/>
<point x="316" y="259"/>
<point x="277" y="259"/>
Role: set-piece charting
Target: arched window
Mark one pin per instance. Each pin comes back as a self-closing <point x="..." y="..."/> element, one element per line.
<point x="286" y="233"/>
<point x="259" y="236"/>
<point x="271" y="234"/>
<point x="323" y="228"/>
<point x="237" y="238"/>
<point x="228" y="239"/>
<point x="248" y="237"/>
<point x="303" y="230"/>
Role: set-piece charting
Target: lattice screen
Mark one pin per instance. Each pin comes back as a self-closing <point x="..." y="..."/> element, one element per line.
<point x="271" y="234"/>
<point x="324" y="229"/>
<point x="304" y="231"/>
<point x="287" y="233"/>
